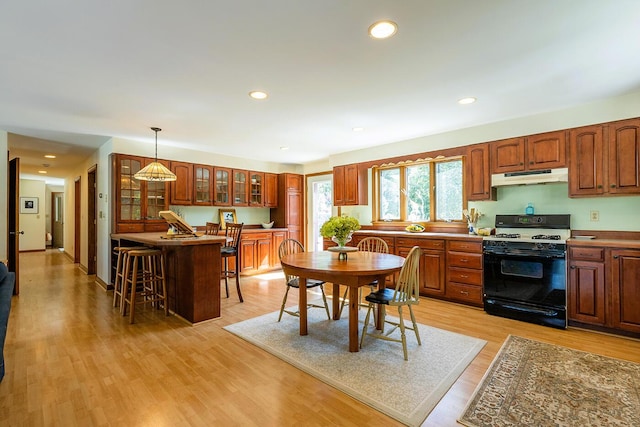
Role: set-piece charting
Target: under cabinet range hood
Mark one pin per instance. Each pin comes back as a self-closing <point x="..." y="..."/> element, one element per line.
<point x="542" y="176"/>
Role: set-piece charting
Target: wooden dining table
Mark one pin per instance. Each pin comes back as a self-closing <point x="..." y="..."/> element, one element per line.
<point x="359" y="269"/>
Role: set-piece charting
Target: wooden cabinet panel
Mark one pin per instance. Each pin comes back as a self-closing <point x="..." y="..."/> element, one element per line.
<point x="508" y="155"/>
<point x="586" y="254"/>
<point x="547" y="150"/>
<point x="586" y="161"/>
<point x="432" y="269"/>
<point x="256" y="189"/>
<point x="270" y="190"/>
<point x="240" y="187"/>
<point x="222" y="186"/>
<point x="464" y="271"/>
<point x="290" y="210"/>
<point x="624" y="157"/>
<point x="248" y="255"/>
<point x="423" y="243"/>
<point x="276" y="239"/>
<point x="625" y="289"/>
<point x="478" y="173"/>
<point x="586" y="292"/>
<point x="182" y="187"/>
<point x="464" y="293"/>
<point x="465" y="260"/>
<point x="350" y="185"/>
<point x="202" y="185"/>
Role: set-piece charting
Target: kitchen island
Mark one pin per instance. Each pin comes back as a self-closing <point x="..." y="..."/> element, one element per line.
<point x="192" y="270"/>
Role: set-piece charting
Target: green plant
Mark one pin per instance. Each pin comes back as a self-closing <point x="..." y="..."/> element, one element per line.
<point x="339" y="227"/>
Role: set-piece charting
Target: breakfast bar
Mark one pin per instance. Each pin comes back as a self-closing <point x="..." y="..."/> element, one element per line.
<point x="192" y="271"/>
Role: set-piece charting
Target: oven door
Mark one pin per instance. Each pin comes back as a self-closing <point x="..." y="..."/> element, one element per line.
<point x="526" y="286"/>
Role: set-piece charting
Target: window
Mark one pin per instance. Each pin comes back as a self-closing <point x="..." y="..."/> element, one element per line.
<point x="420" y="191"/>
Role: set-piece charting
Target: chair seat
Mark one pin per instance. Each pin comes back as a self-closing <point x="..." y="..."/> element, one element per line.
<point x="311" y="283"/>
<point x="228" y="250"/>
<point x="384" y="296"/>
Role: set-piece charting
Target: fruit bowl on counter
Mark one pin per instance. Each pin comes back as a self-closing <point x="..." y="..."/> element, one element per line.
<point x="267" y="224"/>
<point x="414" y="228"/>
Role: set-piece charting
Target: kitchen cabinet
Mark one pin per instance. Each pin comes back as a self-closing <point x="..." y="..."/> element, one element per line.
<point x="270" y="190"/>
<point x="625" y="290"/>
<point x="464" y="271"/>
<point x="586" y="286"/>
<point x="586" y="161"/>
<point x="534" y="152"/>
<point x="137" y="203"/>
<point x="240" y="187"/>
<point x="202" y="185"/>
<point x="259" y="250"/>
<point x="182" y="187"/>
<point x="221" y="186"/>
<point x="350" y="185"/>
<point x="256" y="189"/>
<point x="624" y="157"/>
<point x="478" y="173"/>
<point x="432" y="263"/>
<point x="290" y="211"/>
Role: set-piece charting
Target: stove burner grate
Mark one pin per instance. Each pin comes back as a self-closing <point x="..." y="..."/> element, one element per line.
<point x="508" y="235"/>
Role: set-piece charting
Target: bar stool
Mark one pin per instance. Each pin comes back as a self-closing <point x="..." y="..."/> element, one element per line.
<point x="144" y="285"/>
<point x="120" y="272"/>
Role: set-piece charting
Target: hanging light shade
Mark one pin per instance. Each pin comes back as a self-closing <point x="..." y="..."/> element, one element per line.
<point x="155" y="171"/>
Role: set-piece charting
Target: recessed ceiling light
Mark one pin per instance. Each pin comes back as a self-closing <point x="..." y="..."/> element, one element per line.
<point x="42" y="171"/>
<point x="50" y="156"/>
<point x="357" y="129"/>
<point x="383" y="29"/>
<point x="258" y="94"/>
<point x="284" y="148"/>
<point x="465" y="101"/>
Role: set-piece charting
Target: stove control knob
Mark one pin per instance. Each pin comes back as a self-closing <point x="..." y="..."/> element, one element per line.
<point x="551" y="246"/>
<point x="540" y="246"/>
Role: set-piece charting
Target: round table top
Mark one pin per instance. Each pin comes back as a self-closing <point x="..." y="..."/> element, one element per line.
<point x="359" y="263"/>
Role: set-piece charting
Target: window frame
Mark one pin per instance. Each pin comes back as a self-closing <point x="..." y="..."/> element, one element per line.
<point x="402" y="166"/>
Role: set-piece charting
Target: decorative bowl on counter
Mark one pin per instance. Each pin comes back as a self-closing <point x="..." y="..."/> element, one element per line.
<point x="414" y="228"/>
<point x="267" y="225"/>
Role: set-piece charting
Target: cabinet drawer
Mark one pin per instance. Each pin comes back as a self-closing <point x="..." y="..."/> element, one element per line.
<point x="465" y="275"/>
<point x="130" y="227"/>
<point x="586" y="254"/>
<point x="423" y="243"/>
<point x="464" y="246"/>
<point x="463" y="259"/>
<point x="465" y="293"/>
<point x="256" y="236"/>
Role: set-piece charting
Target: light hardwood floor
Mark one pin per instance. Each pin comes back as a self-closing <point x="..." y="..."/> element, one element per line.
<point x="72" y="360"/>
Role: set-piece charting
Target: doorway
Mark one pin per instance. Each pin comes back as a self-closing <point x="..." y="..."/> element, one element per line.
<point x="92" y="235"/>
<point x="57" y="220"/>
<point x="319" y="205"/>
<point x="13" y="222"/>
<point x="76" y="221"/>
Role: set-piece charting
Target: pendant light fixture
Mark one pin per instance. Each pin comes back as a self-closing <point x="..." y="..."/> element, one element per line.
<point x="155" y="171"/>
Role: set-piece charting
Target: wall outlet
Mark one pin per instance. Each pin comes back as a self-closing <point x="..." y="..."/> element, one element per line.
<point x="594" y="215"/>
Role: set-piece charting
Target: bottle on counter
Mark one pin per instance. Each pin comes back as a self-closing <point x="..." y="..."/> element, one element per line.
<point x="529" y="209"/>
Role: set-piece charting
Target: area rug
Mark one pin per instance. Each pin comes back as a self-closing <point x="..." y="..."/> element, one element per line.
<point x="377" y="375"/>
<point x="531" y="383"/>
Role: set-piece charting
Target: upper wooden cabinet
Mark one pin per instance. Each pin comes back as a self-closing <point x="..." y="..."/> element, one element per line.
<point x="221" y="186"/>
<point x="350" y="185"/>
<point x="478" y="173"/>
<point x="624" y="157"/>
<point x="270" y="195"/>
<point x="182" y="187"/>
<point x="541" y="151"/>
<point x="240" y="187"/>
<point x="290" y="210"/>
<point x="256" y="189"/>
<point x="202" y="185"/>
<point x="137" y="203"/>
<point x="586" y="161"/>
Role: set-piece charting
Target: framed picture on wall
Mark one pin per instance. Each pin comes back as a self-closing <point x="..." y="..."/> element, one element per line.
<point x="227" y="215"/>
<point x="28" y="205"/>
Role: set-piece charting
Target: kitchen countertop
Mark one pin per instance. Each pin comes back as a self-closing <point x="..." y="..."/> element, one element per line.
<point x="422" y="234"/>
<point x="160" y="239"/>
<point x="607" y="243"/>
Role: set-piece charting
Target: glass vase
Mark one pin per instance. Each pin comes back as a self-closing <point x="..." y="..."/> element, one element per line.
<point x="341" y="241"/>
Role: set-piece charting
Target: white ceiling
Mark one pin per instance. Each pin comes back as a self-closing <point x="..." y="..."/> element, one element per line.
<point x="81" y="71"/>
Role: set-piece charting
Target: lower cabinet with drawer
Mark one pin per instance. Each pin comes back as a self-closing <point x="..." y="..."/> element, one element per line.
<point x="586" y="286"/>
<point x="432" y="263"/>
<point x="464" y="272"/>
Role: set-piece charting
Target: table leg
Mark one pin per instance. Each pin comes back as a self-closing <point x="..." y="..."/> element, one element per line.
<point x="302" y="305"/>
<point x="336" y="301"/>
<point x="353" y="319"/>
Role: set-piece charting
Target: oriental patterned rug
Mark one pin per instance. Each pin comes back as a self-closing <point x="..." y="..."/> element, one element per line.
<point x="377" y="375"/>
<point x="535" y="384"/>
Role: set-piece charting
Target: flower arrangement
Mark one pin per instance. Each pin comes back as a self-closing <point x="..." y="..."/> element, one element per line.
<point x="339" y="228"/>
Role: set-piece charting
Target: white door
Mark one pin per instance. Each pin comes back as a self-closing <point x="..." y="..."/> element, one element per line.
<point x="319" y="208"/>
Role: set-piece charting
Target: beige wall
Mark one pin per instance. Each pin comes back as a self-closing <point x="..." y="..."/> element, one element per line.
<point x="4" y="158"/>
<point x="33" y="224"/>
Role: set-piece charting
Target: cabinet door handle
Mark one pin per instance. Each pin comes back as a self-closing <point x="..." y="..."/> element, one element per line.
<point x="615" y="257"/>
<point x="464" y="260"/>
<point x="613" y="186"/>
<point x="573" y="267"/>
<point x="464" y="293"/>
<point x="464" y="276"/>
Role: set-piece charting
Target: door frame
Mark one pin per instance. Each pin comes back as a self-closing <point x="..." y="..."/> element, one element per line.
<point x="76" y="221"/>
<point x="54" y="194"/>
<point x="92" y="223"/>
<point x="310" y="179"/>
<point x="13" y="221"/>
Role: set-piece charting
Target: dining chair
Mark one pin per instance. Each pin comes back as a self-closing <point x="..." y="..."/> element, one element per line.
<point x="232" y="249"/>
<point x="368" y="244"/>
<point x="292" y="246"/>
<point x="211" y="228"/>
<point x="406" y="293"/>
